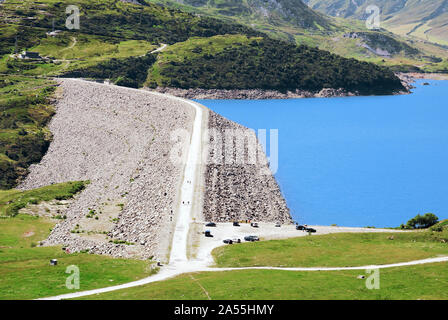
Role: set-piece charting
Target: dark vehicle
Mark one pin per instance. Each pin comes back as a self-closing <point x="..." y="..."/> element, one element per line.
<point x="310" y="230"/>
<point x="299" y="227"/>
<point x="251" y="238"/>
<point x="236" y="224"/>
<point x="208" y="234"/>
<point x="211" y="224"/>
<point x="278" y="225"/>
<point x="228" y="241"/>
<point x="254" y="225"/>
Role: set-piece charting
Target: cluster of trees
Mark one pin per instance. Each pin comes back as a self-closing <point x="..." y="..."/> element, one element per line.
<point x="22" y="118"/>
<point x="271" y="64"/>
<point x="128" y="72"/>
<point x="421" y="221"/>
<point x="22" y="151"/>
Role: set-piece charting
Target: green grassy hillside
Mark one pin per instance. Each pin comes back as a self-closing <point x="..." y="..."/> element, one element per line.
<point x="424" y="282"/>
<point x="25" y="110"/>
<point x="11" y="201"/>
<point x="326" y="33"/>
<point x="25" y="271"/>
<point x="110" y="28"/>
<point x="335" y="250"/>
<point x="240" y="62"/>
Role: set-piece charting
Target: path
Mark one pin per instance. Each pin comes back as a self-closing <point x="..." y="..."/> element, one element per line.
<point x="171" y="271"/>
<point x="180" y="238"/>
<point x="162" y="47"/>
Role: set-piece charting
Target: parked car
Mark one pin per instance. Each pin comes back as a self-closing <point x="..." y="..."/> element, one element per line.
<point x="236" y="240"/>
<point x="310" y="230"/>
<point x="299" y="227"/>
<point x="278" y="225"/>
<point x="228" y="241"/>
<point x="236" y="224"/>
<point x="211" y="224"/>
<point x="208" y="234"/>
<point x="251" y="238"/>
<point x="254" y="225"/>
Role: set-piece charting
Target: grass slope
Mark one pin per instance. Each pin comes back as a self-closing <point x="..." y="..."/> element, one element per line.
<point x="25" y="272"/>
<point x="335" y="250"/>
<point x="417" y="282"/>
<point x="11" y="201"/>
<point x="240" y="62"/>
<point x="25" y="110"/>
<point x="327" y="34"/>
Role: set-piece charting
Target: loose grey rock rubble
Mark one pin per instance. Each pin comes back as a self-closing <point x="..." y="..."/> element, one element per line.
<point x="240" y="189"/>
<point x="252" y="94"/>
<point x="119" y="139"/>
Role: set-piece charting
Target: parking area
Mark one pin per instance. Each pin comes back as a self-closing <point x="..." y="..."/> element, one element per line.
<point x="202" y="245"/>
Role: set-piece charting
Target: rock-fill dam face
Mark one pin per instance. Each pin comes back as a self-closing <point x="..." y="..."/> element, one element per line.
<point x="239" y="183"/>
<point x="121" y="140"/>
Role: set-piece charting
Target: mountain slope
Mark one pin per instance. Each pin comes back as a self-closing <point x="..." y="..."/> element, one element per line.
<point x="293" y="21"/>
<point x="240" y="62"/>
<point x="275" y="12"/>
<point x="424" y="19"/>
<point x="108" y="22"/>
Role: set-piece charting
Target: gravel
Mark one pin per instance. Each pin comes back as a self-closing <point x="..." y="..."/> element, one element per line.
<point x="119" y="139"/>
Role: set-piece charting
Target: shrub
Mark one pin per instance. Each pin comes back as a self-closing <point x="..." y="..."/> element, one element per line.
<point x="436" y="228"/>
<point x="423" y="222"/>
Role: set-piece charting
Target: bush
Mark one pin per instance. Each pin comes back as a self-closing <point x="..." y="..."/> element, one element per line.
<point x="437" y="228"/>
<point x="423" y="222"/>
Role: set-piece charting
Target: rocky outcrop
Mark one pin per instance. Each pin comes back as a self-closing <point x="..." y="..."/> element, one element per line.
<point x="239" y="184"/>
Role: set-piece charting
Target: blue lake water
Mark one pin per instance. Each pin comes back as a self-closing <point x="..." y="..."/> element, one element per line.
<point x="357" y="161"/>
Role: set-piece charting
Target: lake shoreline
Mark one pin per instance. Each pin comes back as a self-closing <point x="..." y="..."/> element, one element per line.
<point x="355" y="162"/>
<point x="407" y="79"/>
<point x="261" y="94"/>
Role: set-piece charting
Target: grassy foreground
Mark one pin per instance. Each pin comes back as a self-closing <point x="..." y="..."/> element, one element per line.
<point x="25" y="272"/>
<point x="419" y="282"/>
<point x="335" y="250"/>
<point x="11" y="201"/>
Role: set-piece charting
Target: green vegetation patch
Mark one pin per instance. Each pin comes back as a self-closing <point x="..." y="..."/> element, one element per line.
<point x="113" y="19"/>
<point x="239" y="62"/>
<point x="11" y="201"/>
<point x="130" y="72"/>
<point x="414" y="283"/>
<point x="25" y="110"/>
<point x="25" y="271"/>
<point x="335" y="250"/>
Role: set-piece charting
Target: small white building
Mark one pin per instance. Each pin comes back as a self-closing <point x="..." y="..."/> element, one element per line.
<point x="54" y="33"/>
<point x="30" y="55"/>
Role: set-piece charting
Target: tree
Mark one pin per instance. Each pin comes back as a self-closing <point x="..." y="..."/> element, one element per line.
<point x="423" y="222"/>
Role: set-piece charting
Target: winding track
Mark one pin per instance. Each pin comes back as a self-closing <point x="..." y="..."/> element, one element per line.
<point x="173" y="270"/>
